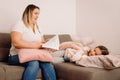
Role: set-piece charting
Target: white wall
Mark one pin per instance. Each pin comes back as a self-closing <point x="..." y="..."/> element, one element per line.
<point x="56" y="16"/>
<point x="100" y="19"/>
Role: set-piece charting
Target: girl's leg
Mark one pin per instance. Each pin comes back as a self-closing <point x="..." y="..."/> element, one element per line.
<point x="58" y="53"/>
<point x="48" y="71"/>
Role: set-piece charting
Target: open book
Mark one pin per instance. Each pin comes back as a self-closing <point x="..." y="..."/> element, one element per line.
<point x="53" y="43"/>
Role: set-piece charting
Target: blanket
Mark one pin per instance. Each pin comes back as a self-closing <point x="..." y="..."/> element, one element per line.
<point x="110" y="61"/>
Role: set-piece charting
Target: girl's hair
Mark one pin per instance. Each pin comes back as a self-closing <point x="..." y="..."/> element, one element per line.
<point x="103" y="49"/>
<point x="27" y="14"/>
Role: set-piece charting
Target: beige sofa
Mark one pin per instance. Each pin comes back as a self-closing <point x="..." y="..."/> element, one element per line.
<point x="64" y="71"/>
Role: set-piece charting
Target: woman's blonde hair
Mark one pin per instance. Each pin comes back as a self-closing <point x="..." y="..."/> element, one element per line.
<point x="27" y="14"/>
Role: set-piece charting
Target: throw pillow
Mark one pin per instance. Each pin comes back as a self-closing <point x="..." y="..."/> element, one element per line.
<point x="70" y="44"/>
<point x="26" y="55"/>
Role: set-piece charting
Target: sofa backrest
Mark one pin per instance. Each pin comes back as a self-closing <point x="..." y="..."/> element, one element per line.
<point x="5" y="43"/>
<point x="62" y="37"/>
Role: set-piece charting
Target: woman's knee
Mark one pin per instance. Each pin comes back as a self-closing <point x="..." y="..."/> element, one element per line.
<point x="33" y="64"/>
<point x="46" y="65"/>
<point x="31" y="69"/>
<point x="48" y="71"/>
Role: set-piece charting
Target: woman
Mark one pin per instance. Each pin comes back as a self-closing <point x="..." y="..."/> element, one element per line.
<point x="26" y="34"/>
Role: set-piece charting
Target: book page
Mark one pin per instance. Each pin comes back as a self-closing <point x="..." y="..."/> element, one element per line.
<point x="53" y="43"/>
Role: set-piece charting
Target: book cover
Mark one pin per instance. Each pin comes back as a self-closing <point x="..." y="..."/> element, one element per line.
<point x="53" y="43"/>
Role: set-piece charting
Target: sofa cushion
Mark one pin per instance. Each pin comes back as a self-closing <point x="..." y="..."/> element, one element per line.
<point x="2" y="73"/>
<point x="13" y="72"/>
<point x="70" y="71"/>
<point x="5" y="43"/>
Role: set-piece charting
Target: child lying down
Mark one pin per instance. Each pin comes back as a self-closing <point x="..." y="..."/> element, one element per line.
<point x="72" y="55"/>
<point x="73" y="51"/>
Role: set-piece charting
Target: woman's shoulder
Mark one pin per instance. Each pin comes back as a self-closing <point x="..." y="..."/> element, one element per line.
<point x="19" y="22"/>
<point x="19" y="26"/>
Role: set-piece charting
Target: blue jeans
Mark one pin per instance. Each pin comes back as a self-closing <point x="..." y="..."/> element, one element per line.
<point x="32" y="68"/>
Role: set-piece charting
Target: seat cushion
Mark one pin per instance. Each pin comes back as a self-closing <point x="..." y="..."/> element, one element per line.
<point x="70" y="71"/>
<point x="13" y="72"/>
<point x="2" y="73"/>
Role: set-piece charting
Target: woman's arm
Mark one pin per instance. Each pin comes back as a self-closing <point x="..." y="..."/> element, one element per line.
<point x="17" y="41"/>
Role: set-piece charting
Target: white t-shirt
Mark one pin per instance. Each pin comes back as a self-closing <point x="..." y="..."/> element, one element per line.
<point x="27" y="34"/>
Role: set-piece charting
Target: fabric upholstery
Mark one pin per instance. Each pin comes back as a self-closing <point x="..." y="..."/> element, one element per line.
<point x="26" y="55"/>
<point x="5" y="43"/>
<point x="16" y="72"/>
<point x="71" y="44"/>
<point x="70" y="71"/>
<point x="62" y="37"/>
<point x="13" y="72"/>
<point x="2" y="73"/>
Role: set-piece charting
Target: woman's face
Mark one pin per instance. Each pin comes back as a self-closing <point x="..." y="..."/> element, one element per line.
<point x="35" y="15"/>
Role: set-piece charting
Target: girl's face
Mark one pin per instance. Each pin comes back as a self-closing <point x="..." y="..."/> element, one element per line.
<point x="98" y="51"/>
<point x="35" y="15"/>
<point x="94" y="52"/>
<point x="91" y="53"/>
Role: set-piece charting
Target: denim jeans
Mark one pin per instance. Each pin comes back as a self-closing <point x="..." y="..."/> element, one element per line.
<point x="32" y="68"/>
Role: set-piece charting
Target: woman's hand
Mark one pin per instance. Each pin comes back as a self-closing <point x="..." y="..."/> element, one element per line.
<point x="44" y="41"/>
<point x="38" y="44"/>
